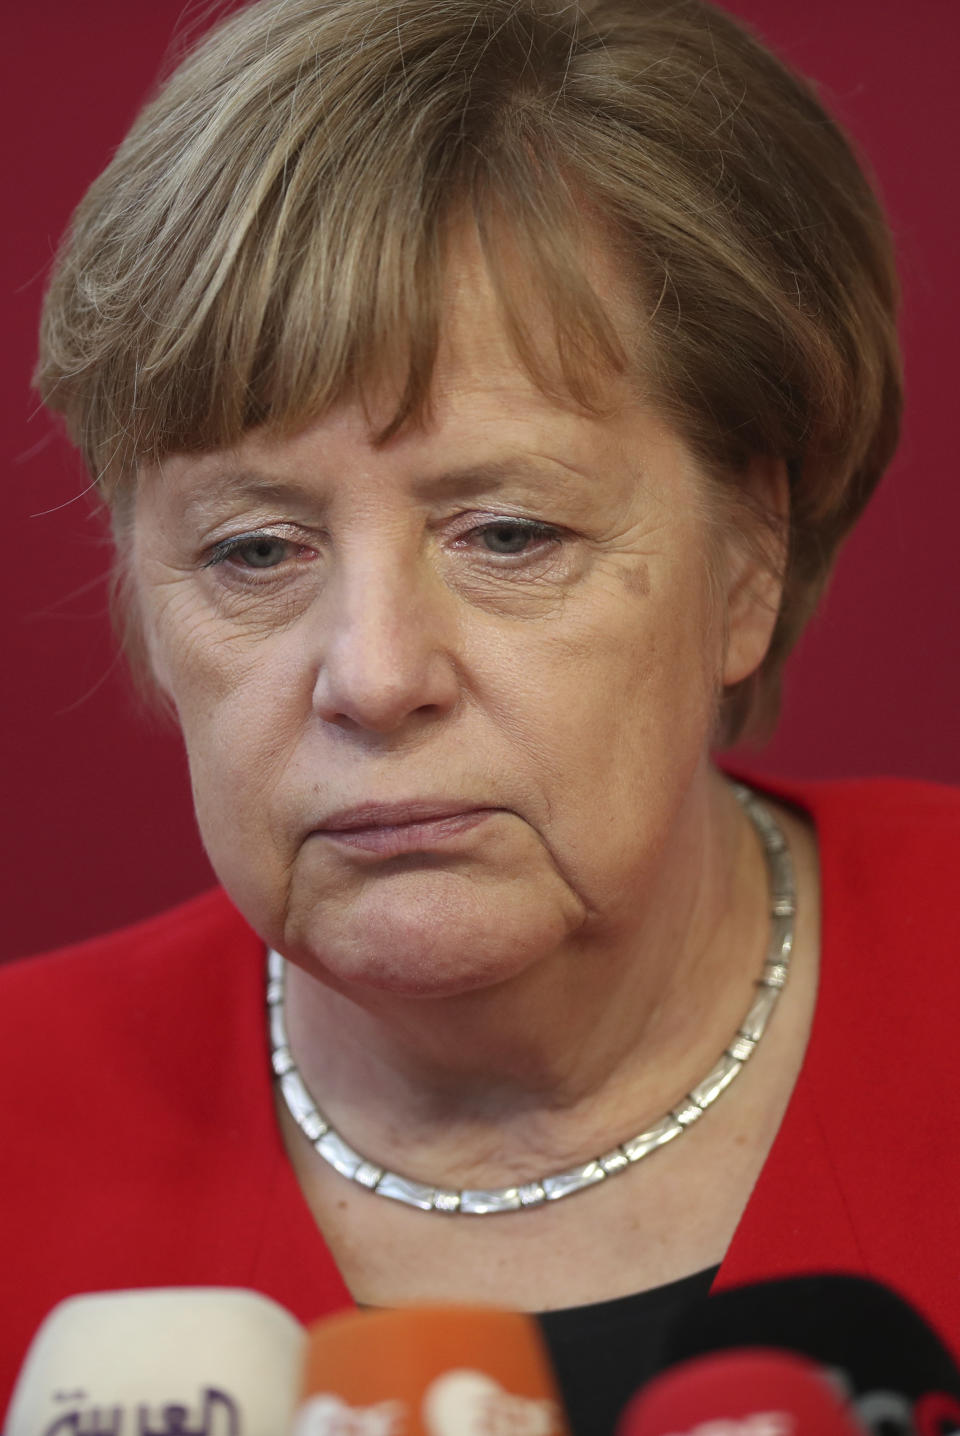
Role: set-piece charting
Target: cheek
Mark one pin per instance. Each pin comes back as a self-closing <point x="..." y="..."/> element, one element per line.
<point x="241" y="740"/>
<point x="648" y="649"/>
<point x="215" y="672"/>
<point x="241" y="735"/>
<point x="610" y="729"/>
<point x="616" y="700"/>
<point x="242" y="706"/>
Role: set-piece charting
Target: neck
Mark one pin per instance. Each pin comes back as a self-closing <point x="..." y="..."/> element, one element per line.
<point x="578" y="1051"/>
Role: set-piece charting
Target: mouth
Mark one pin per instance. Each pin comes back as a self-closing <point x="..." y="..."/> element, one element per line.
<point x="390" y="829"/>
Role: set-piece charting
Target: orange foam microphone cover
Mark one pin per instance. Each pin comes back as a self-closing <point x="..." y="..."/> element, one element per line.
<point x="429" y="1371"/>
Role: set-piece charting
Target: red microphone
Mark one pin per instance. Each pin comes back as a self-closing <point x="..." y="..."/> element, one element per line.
<point x="740" y="1393"/>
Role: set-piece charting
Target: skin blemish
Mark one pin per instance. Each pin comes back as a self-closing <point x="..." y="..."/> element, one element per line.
<point x="637" y="580"/>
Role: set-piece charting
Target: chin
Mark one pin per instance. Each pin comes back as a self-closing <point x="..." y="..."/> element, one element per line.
<point x="422" y="934"/>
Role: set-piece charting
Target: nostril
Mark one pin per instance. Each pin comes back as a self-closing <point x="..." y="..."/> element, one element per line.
<point x="384" y="695"/>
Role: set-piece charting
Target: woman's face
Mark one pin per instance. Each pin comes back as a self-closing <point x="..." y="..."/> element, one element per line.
<point x="445" y="700"/>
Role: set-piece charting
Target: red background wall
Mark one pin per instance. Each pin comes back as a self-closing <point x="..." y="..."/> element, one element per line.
<point x="96" y="800"/>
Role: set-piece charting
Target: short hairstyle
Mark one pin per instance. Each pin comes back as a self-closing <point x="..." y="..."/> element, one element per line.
<point x="270" y="237"/>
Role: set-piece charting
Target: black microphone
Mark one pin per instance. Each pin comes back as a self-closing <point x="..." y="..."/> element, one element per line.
<point x="897" y="1373"/>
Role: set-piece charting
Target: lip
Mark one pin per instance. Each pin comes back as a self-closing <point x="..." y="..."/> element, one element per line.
<point x="394" y="815"/>
<point x="389" y="829"/>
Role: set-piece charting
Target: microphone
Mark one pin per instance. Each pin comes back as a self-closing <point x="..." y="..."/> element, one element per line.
<point x="428" y="1371"/>
<point x="740" y="1393"/>
<point x="881" y="1354"/>
<point x="204" y="1361"/>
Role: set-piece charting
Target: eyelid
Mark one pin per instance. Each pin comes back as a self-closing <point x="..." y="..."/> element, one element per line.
<point x="224" y="548"/>
<point x="477" y="523"/>
<point x="472" y="524"/>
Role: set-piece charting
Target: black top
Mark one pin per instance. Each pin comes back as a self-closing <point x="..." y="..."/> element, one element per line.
<point x="604" y="1352"/>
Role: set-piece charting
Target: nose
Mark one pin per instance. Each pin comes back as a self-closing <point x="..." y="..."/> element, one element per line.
<point x="387" y="653"/>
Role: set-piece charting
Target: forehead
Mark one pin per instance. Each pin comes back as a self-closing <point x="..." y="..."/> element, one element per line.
<point x="490" y="320"/>
<point x="489" y="420"/>
<point x="501" y="312"/>
<point x="491" y="425"/>
<point x="507" y="337"/>
<point x="491" y="432"/>
<point x="599" y="479"/>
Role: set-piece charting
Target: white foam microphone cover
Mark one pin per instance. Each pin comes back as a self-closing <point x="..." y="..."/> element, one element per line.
<point x="207" y="1359"/>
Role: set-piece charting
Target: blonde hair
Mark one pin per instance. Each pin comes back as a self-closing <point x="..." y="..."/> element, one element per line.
<point x="270" y="239"/>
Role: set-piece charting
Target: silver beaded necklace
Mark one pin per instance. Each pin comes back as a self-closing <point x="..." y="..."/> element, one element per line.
<point x="342" y="1157"/>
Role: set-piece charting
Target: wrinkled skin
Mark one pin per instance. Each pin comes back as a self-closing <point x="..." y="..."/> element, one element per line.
<point x="517" y="607"/>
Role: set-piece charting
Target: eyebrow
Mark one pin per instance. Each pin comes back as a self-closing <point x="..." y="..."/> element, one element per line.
<point x="490" y="476"/>
<point x="462" y="482"/>
<point x="245" y="484"/>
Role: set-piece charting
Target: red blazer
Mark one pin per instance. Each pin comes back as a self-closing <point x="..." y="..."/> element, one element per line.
<point x="140" y="1148"/>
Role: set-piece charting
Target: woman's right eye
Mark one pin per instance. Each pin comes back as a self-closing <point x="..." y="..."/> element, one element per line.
<point x="252" y="551"/>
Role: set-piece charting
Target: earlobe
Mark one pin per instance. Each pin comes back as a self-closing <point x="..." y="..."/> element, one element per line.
<point x="758" y="530"/>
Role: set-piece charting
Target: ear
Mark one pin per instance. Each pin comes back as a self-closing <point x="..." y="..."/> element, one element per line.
<point x="756" y="554"/>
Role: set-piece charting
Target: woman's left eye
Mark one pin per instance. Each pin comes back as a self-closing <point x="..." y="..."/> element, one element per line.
<point x="509" y="538"/>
